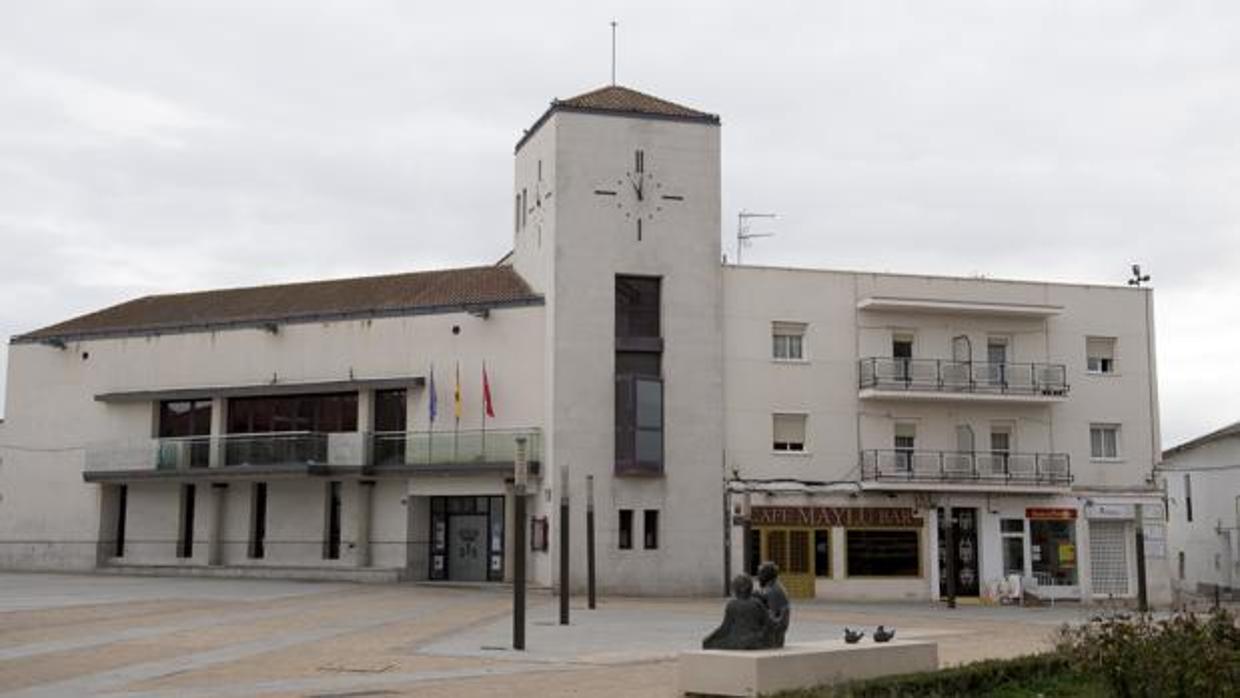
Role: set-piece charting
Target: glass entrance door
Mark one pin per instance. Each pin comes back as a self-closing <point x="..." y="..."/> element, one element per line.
<point x="467" y="547"/>
<point x="964" y="534"/>
<point x="792" y="549"/>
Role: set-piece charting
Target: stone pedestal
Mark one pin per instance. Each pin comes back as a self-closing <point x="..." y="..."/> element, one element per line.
<point x="753" y="673"/>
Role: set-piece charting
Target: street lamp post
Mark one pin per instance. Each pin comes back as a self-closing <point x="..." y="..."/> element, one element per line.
<point x="520" y="477"/>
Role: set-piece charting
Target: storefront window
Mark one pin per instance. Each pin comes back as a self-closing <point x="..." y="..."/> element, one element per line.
<point x="883" y="553"/>
<point x="1013" y="546"/>
<point x="1052" y="547"/>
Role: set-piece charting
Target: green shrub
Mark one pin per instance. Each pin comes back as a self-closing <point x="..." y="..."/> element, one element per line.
<point x="1183" y="656"/>
<point x="1049" y="674"/>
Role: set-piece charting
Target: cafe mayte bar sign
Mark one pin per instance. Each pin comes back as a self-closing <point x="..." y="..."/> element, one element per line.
<point x="826" y="517"/>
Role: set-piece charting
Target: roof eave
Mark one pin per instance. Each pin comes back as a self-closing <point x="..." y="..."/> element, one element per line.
<point x="704" y="118"/>
<point x="59" y="340"/>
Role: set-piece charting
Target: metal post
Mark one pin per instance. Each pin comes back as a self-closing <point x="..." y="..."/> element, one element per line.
<point x="1143" y="604"/>
<point x="950" y="545"/>
<point x="564" y="589"/>
<point x="520" y="475"/>
<point x="590" y="541"/>
<point x="747" y="532"/>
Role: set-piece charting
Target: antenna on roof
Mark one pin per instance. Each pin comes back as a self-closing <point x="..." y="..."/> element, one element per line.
<point x="743" y="236"/>
<point x="1137" y="277"/>
<point x="613" y="51"/>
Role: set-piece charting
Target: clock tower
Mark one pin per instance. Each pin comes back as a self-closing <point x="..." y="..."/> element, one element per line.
<point x="617" y="222"/>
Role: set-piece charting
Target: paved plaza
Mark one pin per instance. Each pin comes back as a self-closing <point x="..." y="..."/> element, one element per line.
<point x="63" y="635"/>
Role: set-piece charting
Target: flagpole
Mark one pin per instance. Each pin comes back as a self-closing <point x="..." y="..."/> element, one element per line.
<point x="433" y="407"/>
<point x="484" y="410"/>
<point x="456" y="413"/>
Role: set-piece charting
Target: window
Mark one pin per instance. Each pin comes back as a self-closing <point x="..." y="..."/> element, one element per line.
<point x="789" y="432"/>
<point x="1188" y="498"/>
<point x="524" y="210"/>
<point x="1104" y="441"/>
<point x="822" y="552"/>
<point x="258" y="521"/>
<point x="996" y="360"/>
<point x="639" y="384"/>
<point x="650" y="529"/>
<point x="184" y="431"/>
<point x="883" y="553"/>
<point x="626" y="529"/>
<point x="1180" y="564"/>
<point x="390" y="422"/>
<point x="902" y="353"/>
<point x="905" y="442"/>
<point x="639" y="425"/>
<point x="1053" y="549"/>
<point x="1013" y="532"/>
<point x="788" y="341"/>
<point x="516" y="215"/>
<point x="331" y="534"/>
<point x="185" y="536"/>
<point x="325" y="412"/>
<point x="1100" y="354"/>
<point x="122" y="504"/>
<point x="638" y="301"/>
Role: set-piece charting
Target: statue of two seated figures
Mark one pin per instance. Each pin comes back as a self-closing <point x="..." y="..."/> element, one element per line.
<point x="753" y="620"/>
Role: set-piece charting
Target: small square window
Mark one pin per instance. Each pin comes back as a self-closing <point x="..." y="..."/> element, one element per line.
<point x="788" y="341"/>
<point x="1100" y="354"/>
<point x="789" y="432"/>
<point x="1104" y="441"/>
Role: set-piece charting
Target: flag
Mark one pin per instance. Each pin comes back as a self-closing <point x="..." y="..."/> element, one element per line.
<point x="456" y="394"/>
<point x="487" y="407"/>
<point x="434" y="407"/>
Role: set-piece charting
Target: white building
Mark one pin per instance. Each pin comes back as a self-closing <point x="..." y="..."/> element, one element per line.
<point x="1202" y="481"/>
<point x="832" y="415"/>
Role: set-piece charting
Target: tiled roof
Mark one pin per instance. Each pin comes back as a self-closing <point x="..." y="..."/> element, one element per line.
<point x="621" y="101"/>
<point x="1229" y="430"/>
<point x="615" y="98"/>
<point x="395" y="294"/>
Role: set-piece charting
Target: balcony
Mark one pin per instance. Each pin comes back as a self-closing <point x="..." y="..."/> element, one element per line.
<point x="944" y="379"/>
<point x="964" y="467"/>
<point x="320" y="453"/>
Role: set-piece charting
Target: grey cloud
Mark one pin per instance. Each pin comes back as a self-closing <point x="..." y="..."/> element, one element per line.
<point x="150" y="147"/>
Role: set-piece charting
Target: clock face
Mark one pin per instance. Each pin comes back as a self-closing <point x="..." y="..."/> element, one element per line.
<point x="637" y="195"/>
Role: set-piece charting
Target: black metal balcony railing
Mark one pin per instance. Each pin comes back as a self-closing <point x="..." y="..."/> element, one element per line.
<point x="966" y="466"/>
<point x="315" y="448"/>
<point x="948" y="376"/>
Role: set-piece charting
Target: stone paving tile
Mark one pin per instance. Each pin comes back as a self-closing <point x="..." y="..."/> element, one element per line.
<point x="67" y="635"/>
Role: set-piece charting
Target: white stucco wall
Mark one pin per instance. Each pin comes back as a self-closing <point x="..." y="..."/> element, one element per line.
<point x="49" y="517"/>
<point x="1210" y="543"/>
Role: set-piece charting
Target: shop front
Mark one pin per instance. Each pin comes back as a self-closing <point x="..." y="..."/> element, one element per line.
<point x="827" y="550"/>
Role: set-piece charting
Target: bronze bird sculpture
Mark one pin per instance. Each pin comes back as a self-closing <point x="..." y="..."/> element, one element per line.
<point x="883" y="635"/>
<point x="852" y="637"/>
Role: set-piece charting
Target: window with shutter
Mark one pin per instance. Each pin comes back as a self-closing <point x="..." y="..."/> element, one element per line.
<point x="788" y="432"/>
<point x="1100" y="354"/>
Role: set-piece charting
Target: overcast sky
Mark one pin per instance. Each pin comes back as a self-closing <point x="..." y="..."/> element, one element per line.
<point x="161" y="146"/>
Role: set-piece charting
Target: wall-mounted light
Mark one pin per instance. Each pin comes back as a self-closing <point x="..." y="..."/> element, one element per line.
<point x="271" y="327"/>
<point x="482" y="313"/>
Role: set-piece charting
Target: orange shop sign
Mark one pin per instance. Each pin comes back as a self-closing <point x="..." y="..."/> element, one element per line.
<point x="1051" y="513"/>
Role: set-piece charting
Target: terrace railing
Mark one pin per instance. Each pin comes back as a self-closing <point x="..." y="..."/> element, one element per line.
<point x="966" y="466"/>
<point x="949" y="376"/>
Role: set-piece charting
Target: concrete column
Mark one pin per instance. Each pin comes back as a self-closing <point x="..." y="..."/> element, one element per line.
<point x="215" y="532"/>
<point x="365" y="497"/>
<point x="218" y="407"/>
